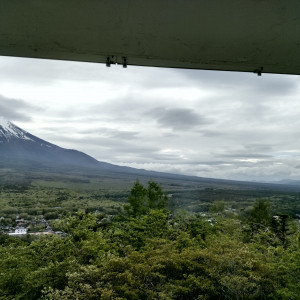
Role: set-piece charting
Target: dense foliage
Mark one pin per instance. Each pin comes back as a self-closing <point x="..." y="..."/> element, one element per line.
<point x="147" y="253"/>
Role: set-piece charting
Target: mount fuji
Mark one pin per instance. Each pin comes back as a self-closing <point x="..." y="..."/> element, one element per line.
<point x="22" y="155"/>
<point x="20" y="148"/>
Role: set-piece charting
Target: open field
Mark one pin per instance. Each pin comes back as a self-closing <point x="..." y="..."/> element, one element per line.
<point x="55" y="195"/>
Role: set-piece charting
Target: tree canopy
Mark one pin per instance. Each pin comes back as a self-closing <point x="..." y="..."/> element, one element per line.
<point x="142" y="199"/>
<point x="149" y="254"/>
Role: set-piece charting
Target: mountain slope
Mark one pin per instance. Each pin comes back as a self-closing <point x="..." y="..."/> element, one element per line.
<point x="20" y="150"/>
<point x="18" y="146"/>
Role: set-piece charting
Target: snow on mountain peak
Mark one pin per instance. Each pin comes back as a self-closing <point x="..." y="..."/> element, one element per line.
<point x="4" y="123"/>
<point x="8" y="130"/>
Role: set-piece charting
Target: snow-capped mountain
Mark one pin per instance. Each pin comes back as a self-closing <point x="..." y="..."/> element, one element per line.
<point x="9" y="132"/>
<point x="21" y="149"/>
<point x="18" y="146"/>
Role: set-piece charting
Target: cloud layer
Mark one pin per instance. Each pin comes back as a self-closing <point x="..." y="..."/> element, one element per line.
<point x="205" y="123"/>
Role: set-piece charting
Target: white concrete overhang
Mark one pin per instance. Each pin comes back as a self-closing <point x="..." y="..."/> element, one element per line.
<point x="235" y="35"/>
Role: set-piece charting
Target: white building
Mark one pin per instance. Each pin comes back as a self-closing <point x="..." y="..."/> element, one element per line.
<point x="19" y="231"/>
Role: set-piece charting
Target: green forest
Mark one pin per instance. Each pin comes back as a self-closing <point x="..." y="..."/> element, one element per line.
<point x="147" y="252"/>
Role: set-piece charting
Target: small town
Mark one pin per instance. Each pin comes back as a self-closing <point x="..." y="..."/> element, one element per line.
<point x="22" y="227"/>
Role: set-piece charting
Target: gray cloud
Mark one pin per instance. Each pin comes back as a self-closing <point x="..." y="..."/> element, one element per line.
<point x="206" y="163"/>
<point x="177" y="118"/>
<point x="211" y="133"/>
<point x="15" y="109"/>
<point x="49" y="72"/>
<point x="206" y="123"/>
<point x="110" y="133"/>
<point x="246" y="155"/>
<point x="259" y="148"/>
<point x="262" y="86"/>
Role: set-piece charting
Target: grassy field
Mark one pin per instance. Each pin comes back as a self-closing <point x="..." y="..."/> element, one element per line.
<point x="218" y="242"/>
<point x="54" y="195"/>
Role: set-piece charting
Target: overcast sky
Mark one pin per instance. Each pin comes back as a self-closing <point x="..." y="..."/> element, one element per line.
<point x="212" y="124"/>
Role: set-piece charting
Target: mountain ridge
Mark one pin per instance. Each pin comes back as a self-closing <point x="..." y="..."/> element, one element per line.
<point x="18" y="145"/>
<point x="20" y="149"/>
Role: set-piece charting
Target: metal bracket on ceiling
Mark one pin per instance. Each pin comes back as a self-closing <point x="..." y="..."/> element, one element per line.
<point x="258" y="71"/>
<point x="114" y="60"/>
<point x="109" y="61"/>
<point x="124" y="62"/>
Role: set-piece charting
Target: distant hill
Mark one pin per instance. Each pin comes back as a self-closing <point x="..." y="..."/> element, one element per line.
<point x="21" y="150"/>
<point x="289" y="182"/>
